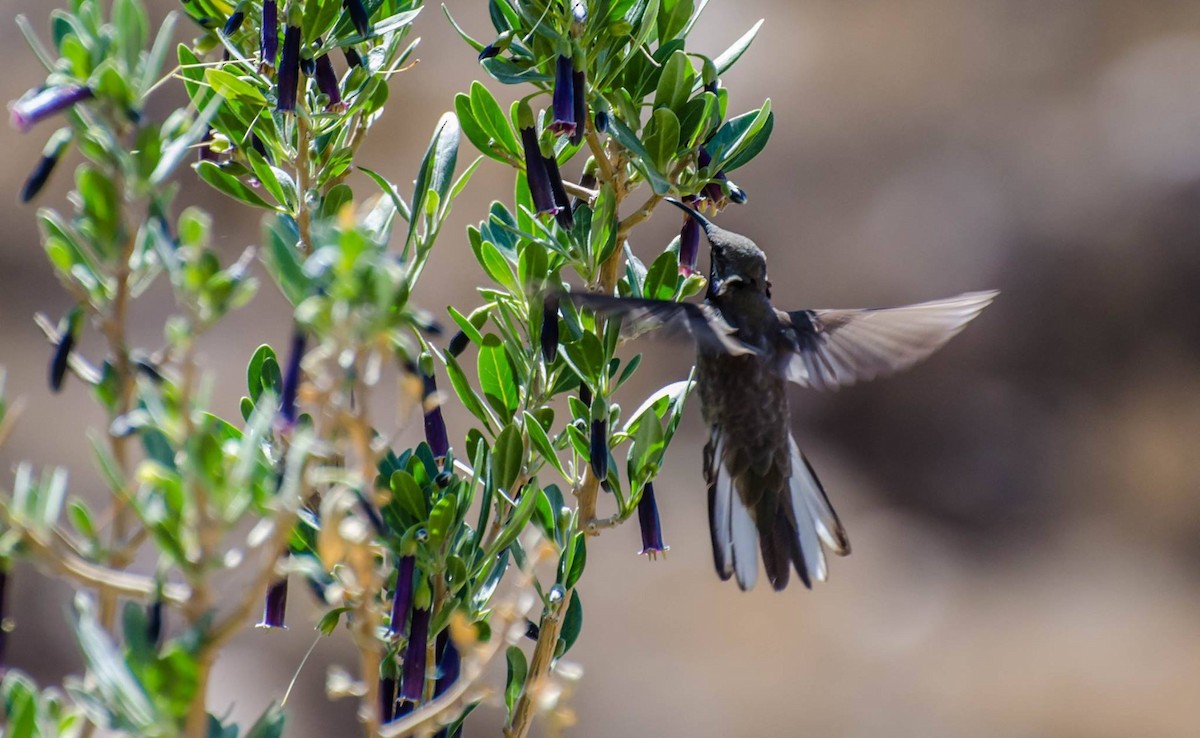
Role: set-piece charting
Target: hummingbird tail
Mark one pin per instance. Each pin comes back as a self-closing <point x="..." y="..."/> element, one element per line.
<point x="734" y="537"/>
<point x="812" y="518"/>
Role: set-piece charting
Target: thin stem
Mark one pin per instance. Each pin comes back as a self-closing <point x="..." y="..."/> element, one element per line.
<point x="539" y="667"/>
<point x="304" y="181"/>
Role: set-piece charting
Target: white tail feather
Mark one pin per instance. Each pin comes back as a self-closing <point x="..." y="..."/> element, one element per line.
<point x="807" y="502"/>
<point x="745" y="543"/>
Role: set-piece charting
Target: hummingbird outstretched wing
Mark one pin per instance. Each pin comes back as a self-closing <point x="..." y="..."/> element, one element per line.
<point x="836" y="348"/>
<point x="701" y="323"/>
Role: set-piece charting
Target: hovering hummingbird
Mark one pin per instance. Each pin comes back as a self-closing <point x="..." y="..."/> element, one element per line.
<point x="762" y="492"/>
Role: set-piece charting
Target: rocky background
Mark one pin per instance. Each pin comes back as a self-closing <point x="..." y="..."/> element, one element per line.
<point x="1024" y="507"/>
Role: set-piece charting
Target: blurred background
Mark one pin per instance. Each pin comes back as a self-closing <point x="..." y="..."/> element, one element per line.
<point x="1024" y="507"/>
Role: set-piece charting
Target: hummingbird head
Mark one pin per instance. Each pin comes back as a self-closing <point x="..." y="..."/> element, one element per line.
<point x="737" y="262"/>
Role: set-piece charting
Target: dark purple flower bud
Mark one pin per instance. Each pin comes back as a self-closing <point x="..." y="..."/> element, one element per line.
<point x="736" y="194"/>
<point x="579" y="97"/>
<point x="51" y="154"/>
<point x="458" y="344"/>
<point x="602" y="121"/>
<point x="387" y="699"/>
<point x="689" y="244"/>
<point x="352" y="57"/>
<point x="449" y="663"/>
<point x="598" y="449"/>
<point x="154" y="622"/>
<point x="435" y="424"/>
<point x="260" y="147"/>
<point x="585" y="394"/>
<point x="308" y="66"/>
<point x="561" y="201"/>
<point x="413" y="684"/>
<point x="36" y="106"/>
<point x="536" y="174"/>
<point x="652" y="540"/>
<point x="402" y="597"/>
<point x="62" y="348"/>
<point x="275" y="609"/>
<point x="488" y="52"/>
<point x="564" y="120"/>
<point x="550" y="328"/>
<point x="327" y="82"/>
<point x="289" y="70"/>
<point x="235" y="20"/>
<point x="291" y="381"/>
<point x="268" y="44"/>
<point x="358" y="16"/>
<point x="532" y="630"/>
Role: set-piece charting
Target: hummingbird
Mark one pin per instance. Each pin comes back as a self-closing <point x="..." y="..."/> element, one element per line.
<point x="763" y="494"/>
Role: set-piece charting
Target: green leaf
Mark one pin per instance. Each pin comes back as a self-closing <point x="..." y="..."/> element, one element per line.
<point x="437" y="170"/>
<point x="541" y="442"/>
<point x="728" y="57"/>
<point x="441" y="519"/>
<point x="466" y="395"/>
<point x="213" y="174"/>
<point x="508" y="456"/>
<point x="602" y="238"/>
<point x="234" y="88"/>
<point x="675" y="83"/>
<point x="572" y="624"/>
<point x="270" y="725"/>
<point x="662" y="138"/>
<point x="515" y="679"/>
<point x="642" y="160"/>
<point x="576" y="561"/>
<point x="390" y="190"/>
<point x="496" y="377"/>
<point x="408" y="496"/>
<point x="673" y="17"/>
<point x="662" y="277"/>
<point x="282" y="258"/>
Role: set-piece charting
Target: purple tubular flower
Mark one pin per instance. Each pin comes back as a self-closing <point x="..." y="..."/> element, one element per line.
<point x="308" y="66"/>
<point x="289" y="70"/>
<point x="358" y="16"/>
<point x="403" y="596"/>
<point x="598" y="449"/>
<point x="488" y="52"/>
<point x="585" y="395"/>
<point x="564" y="122"/>
<point x="275" y="609"/>
<point x="51" y="154"/>
<point x="235" y="20"/>
<point x="458" y="344"/>
<point x="291" y="381"/>
<point x="387" y="699"/>
<point x="579" y="97"/>
<point x="550" y="328"/>
<point x="435" y="424"/>
<point x="352" y="57"/>
<point x="62" y="350"/>
<point x="413" y="684"/>
<point x="564" y="215"/>
<point x="327" y="82"/>
<point x="449" y="663"/>
<point x="689" y="244"/>
<point x="35" y="107"/>
<point x="154" y="621"/>
<point x="601" y="121"/>
<point x="652" y="540"/>
<point x="536" y="174"/>
<point x="268" y="44"/>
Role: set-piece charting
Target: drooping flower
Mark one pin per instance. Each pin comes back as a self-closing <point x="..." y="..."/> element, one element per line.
<point x="689" y="244"/>
<point x="412" y="685"/>
<point x="458" y="344"/>
<point x="291" y="380"/>
<point x="234" y="23"/>
<point x="564" y="122"/>
<point x="585" y="394"/>
<point x="67" y="336"/>
<point x="535" y="165"/>
<point x="564" y="215"/>
<point x="579" y="97"/>
<point x="435" y="424"/>
<point x="598" y="448"/>
<point x="275" y="608"/>
<point x="497" y="47"/>
<point x="720" y="191"/>
<point x="449" y="663"/>
<point x="550" y="328"/>
<point x="352" y="57"/>
<point x="327" y="82"/>
<point x="651" y="525"/>
<point x="268" y="44"/>
<point x="51" y="154"/>
<point x="289" y="70"/>
<point x="387" y="699"/>
<point x="402" y="596"/>
<point x="358" y="16"/>
<point x="38" y="105"/>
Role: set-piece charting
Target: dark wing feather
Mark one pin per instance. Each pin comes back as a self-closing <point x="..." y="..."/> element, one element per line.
<point x="836" y="348"/>
<point x="701" y="323"/>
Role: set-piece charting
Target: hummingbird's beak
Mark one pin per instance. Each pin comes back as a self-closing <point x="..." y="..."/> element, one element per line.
<point x="705" y="223"/>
